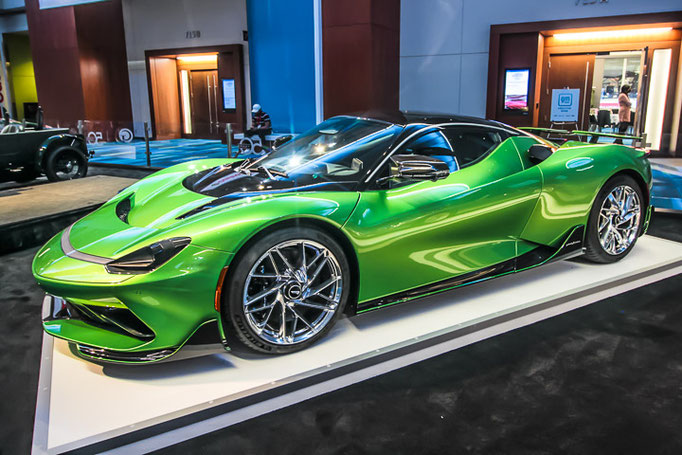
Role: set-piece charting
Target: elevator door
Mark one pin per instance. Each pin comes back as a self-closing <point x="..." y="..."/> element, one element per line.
<point x="572" y="71"/>
<point x="204" y="101"/>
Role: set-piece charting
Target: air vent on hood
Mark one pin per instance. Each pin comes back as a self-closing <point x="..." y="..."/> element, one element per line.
<point x="123" y="209"/>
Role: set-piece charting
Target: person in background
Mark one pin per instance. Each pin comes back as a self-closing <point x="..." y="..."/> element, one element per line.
<point x="260" y="123"/>
<point x="624" y="106"/>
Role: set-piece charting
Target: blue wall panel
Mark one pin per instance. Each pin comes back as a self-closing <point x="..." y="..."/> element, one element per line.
<point x="282" y="61"/>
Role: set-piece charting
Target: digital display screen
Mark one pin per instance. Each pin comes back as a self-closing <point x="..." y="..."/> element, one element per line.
<point x="516" y="90"/>
<point x="229" y="95"/>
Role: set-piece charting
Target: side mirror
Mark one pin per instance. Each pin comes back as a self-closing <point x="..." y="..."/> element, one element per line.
<point x="539" y="153"/>
<point x="418" y="167"/>
<point x="281" y="141"/>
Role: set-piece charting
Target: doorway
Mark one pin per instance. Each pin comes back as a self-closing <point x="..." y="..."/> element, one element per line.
<point x="187" y="94"/>
<point x="202" y="120"/>
<point x="567" y="72"/>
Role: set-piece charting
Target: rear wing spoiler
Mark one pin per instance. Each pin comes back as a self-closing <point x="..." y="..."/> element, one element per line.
<point x="638" y="141"/>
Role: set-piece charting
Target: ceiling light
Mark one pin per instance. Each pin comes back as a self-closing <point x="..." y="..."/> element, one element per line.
<point x="198" y="58"/>
<point x="602" y="34"/>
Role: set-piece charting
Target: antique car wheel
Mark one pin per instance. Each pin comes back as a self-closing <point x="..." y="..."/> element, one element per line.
<point x="616" y="220"/>
<point x="286" y="291"/>
<point x="65" y="164"/>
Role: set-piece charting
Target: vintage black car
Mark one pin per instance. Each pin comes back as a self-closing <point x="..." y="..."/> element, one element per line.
<point x="27" y="151"/>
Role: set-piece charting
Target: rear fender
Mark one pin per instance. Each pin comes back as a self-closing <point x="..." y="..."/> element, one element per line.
<point x="50" y="144"/>
<point x="572" y="177"/>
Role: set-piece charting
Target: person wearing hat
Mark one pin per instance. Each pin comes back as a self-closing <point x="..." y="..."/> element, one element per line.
<point x="260" y="123"/>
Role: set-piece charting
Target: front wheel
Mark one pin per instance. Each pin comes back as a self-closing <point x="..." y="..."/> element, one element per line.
<point x="616" y="220"/>
<point x="65" y="164"/>
<point x="286" y="291"/>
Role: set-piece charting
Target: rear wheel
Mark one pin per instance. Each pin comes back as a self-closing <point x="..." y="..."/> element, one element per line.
<point x="616" y="220"/>
<point x="287" y="290"/>
<point x="65" y="164"/>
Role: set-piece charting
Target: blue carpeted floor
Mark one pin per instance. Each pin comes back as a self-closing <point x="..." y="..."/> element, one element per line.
<point x="667" y="190"/>
<point x="163" y="153"/>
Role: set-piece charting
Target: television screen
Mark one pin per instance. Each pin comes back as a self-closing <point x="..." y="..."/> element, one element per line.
<point x="516" y="89"/>
<point x="229" y="95"/>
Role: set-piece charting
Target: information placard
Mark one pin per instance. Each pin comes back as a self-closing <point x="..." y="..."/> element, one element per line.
<point x="229" y="95"/>
<point x="565" y="105"/>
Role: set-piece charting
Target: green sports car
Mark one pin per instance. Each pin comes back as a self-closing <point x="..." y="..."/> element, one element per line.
<point x="356" y="214"/>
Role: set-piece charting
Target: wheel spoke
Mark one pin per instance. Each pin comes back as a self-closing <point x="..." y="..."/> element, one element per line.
<point x="303" y="262"/>
<point x="283" y="322"/>
<point x="317" y="271"/>
<point x="264" y="275"/>
<point x="298" y="316"/>
<point x="263" y="294"/>
<point x="261" y="325"/>
<point x="324" y="286"/>
<point x="317" y="256"/>
<point x="290" y="269"/>
<point x="260" y="308"/>
<point x="314" y="305"/>
<point x="274" y="264"/>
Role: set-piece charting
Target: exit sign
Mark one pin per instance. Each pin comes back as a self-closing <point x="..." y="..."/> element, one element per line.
<point x="193" y="34"/>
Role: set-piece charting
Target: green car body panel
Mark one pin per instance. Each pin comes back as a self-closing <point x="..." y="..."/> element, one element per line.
<point x="398" y="239"/>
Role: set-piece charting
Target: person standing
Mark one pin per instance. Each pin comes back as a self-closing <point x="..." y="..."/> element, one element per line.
<point x="624" y="105"/>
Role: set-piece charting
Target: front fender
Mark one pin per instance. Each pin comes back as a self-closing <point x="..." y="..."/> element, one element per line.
<point x="229" y="229"/>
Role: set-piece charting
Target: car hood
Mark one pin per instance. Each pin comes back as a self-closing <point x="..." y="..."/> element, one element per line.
<point x="158" y="206"/>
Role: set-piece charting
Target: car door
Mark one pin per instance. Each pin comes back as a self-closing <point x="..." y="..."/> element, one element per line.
<point x="411" y="234"/>
<point x="10" y="151"/>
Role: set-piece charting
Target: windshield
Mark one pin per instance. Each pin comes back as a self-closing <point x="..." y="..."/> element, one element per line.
<point x="339" y="149"/>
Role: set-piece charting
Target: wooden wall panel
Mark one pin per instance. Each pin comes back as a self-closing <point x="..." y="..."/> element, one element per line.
<point x="231" y="66"/>
<point x="80" y="63"/>
<point x="103" y="61"/>
<point x="361" y="48"/>
<point x="56" y="62"/>
<point x="517" y="51"/>
<point x="165" y="97"/>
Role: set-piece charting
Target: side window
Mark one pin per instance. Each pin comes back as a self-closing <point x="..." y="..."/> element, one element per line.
<point x="473" y="143"/>
<point x="433" y="144"/>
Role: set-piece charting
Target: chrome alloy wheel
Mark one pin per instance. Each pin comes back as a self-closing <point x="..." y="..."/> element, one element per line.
<point x="292" y="292"/>
<point x="619" y="218"/>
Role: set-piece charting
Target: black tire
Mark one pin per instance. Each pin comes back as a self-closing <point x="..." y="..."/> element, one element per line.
<point x="55" y="168"/>
<point x="233" y="310"/>
<point x="595" y="251"/>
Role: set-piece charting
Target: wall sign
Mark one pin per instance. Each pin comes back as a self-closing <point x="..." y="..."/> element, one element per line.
<point x="192" y="34"/>
<point x="516" y="84"/>
<point x="565" y="105"/>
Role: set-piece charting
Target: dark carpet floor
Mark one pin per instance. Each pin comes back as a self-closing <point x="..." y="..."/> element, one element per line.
<point x="603" y="379"/>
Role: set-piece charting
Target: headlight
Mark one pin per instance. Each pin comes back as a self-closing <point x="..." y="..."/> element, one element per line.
<point x="148" y="258"/>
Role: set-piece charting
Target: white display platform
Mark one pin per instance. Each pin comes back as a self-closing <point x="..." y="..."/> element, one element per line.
<point x="136" y="409"/>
